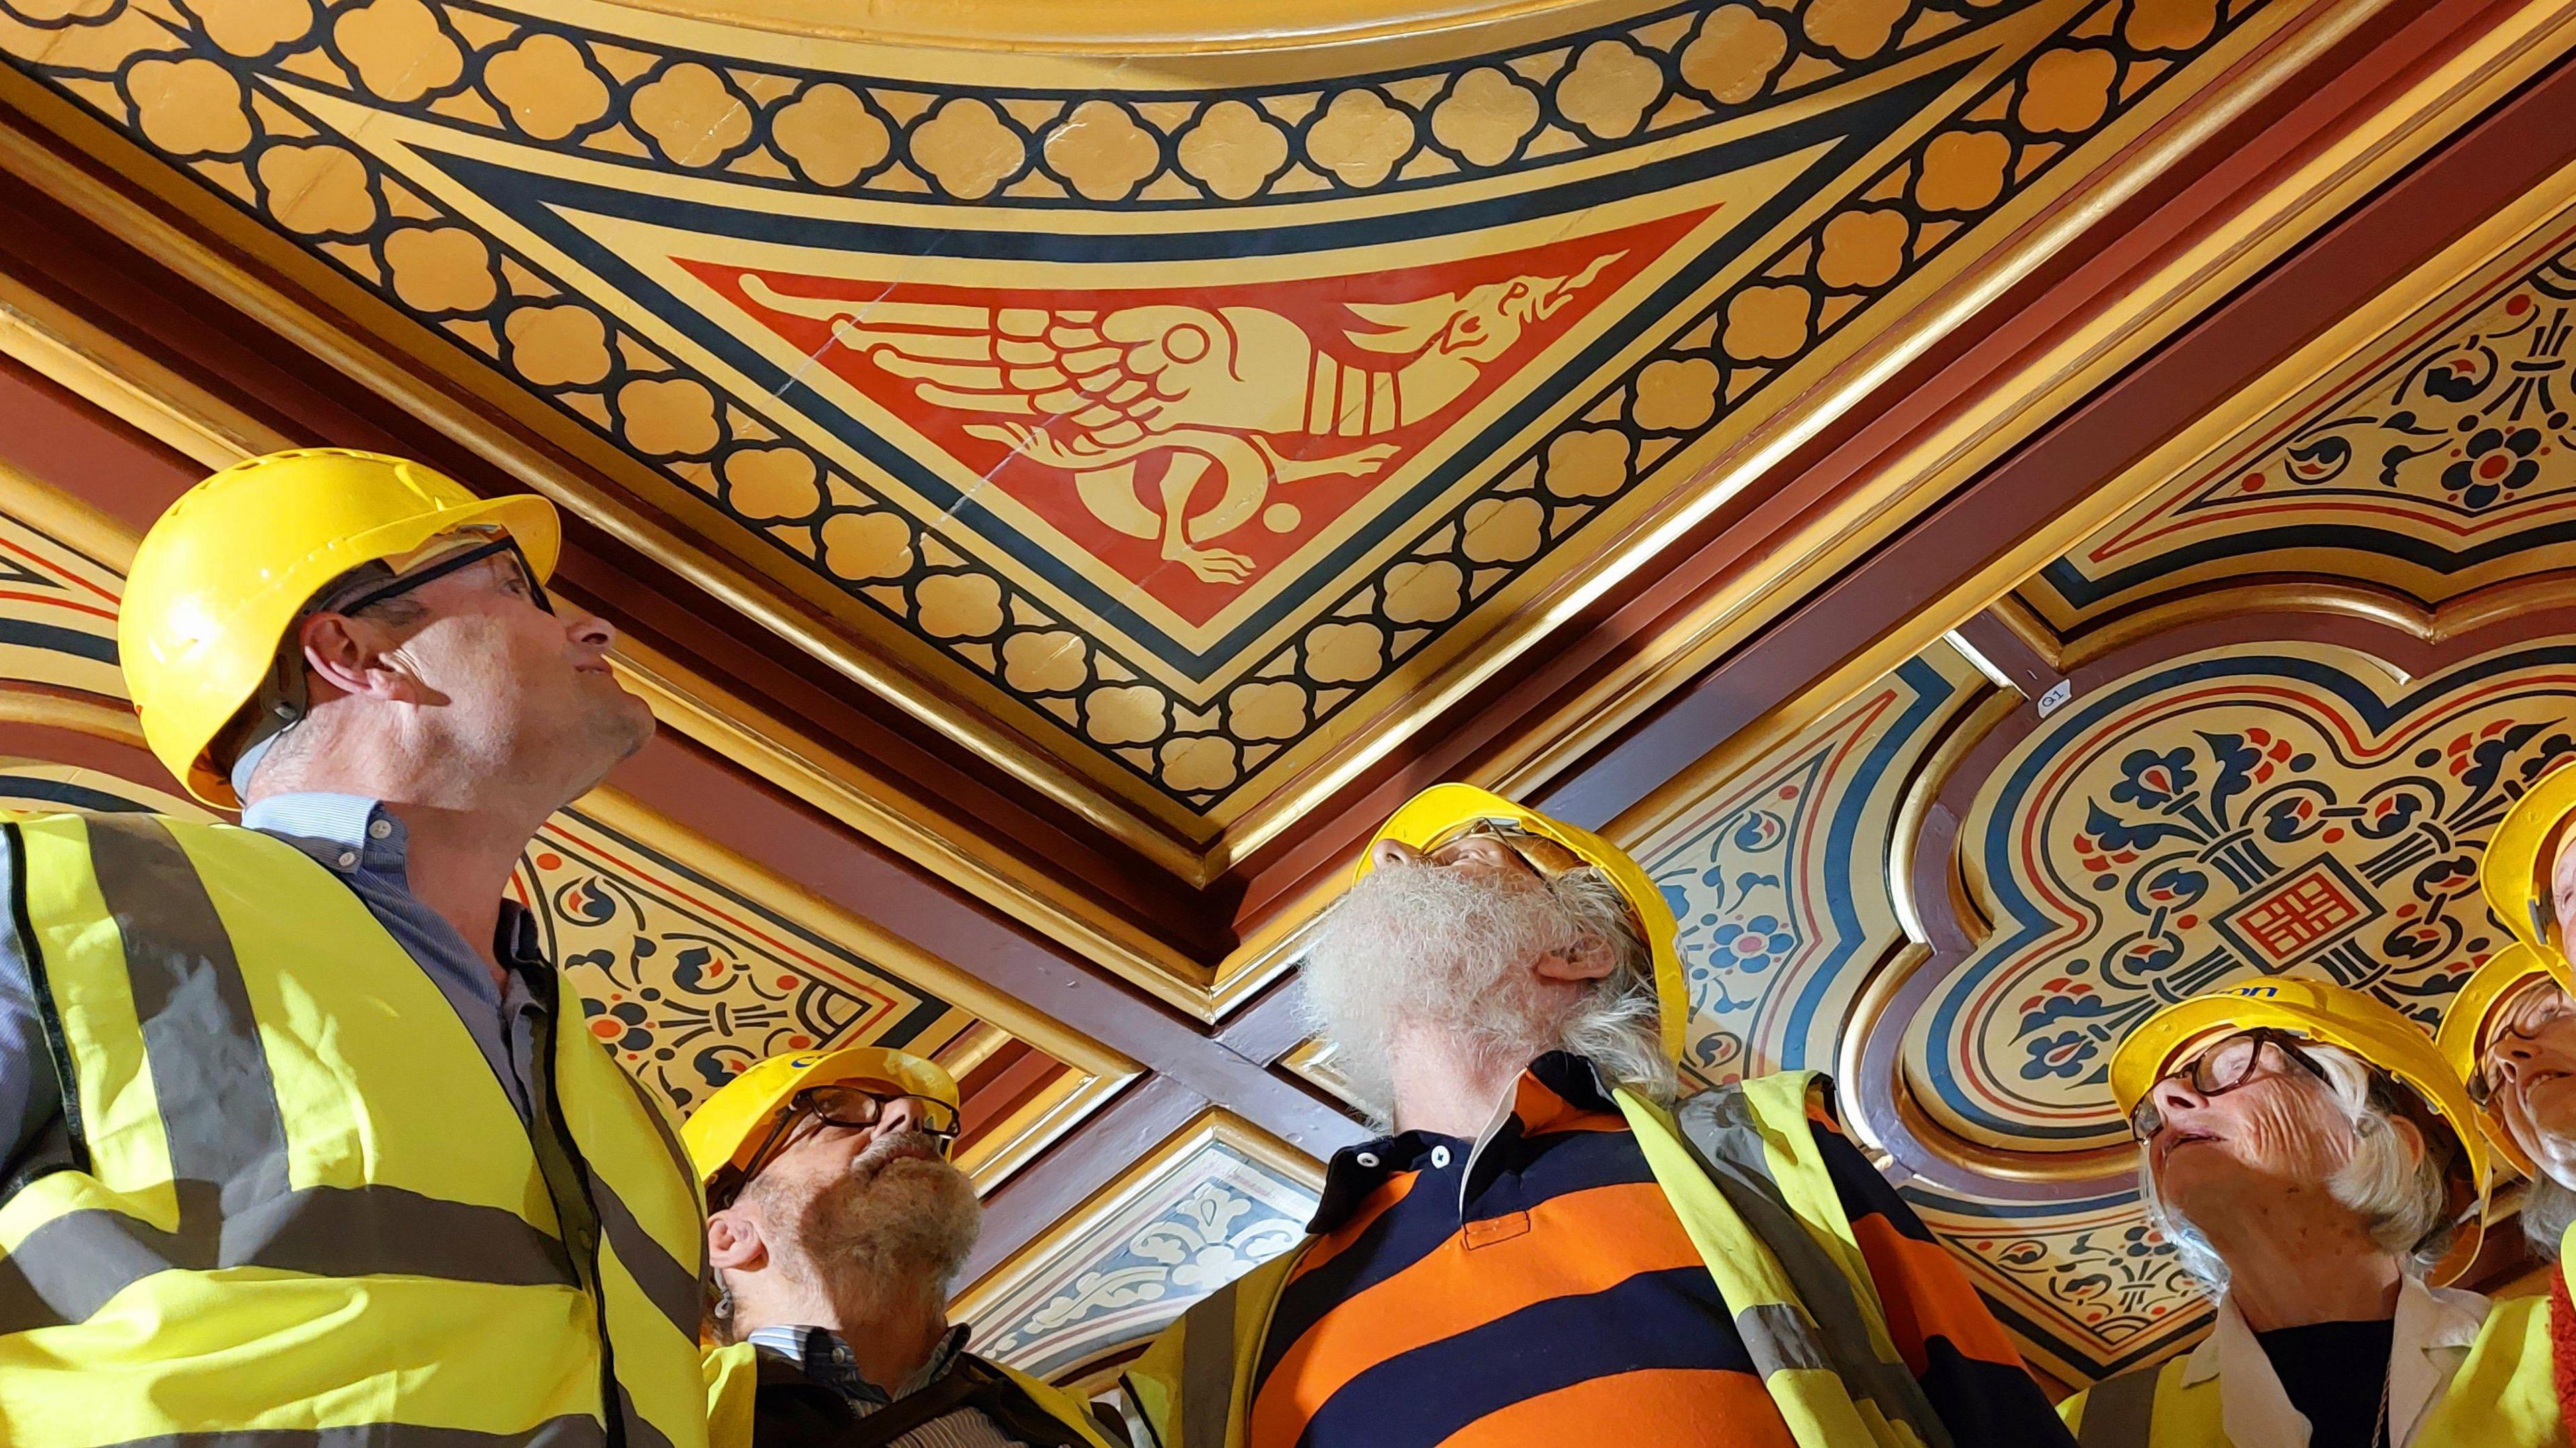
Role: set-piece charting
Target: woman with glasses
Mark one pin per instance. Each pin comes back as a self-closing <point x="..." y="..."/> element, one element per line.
<point x="2317" y="1167"/>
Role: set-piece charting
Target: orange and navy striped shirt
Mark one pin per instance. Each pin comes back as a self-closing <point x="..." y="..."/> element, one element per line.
<point x="1538" y="1289"/>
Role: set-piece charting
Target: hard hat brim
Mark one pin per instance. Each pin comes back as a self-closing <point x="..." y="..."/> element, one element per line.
<point x="2510" y="872"/>
<point x="2398" y="1049"/>
<point x="730" y="1125"/>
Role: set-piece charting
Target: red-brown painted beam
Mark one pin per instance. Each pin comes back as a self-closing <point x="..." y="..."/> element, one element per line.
<point x="714" y="799"/>
<point x="2513" y="150"/>
<point x="2200" y="195"/>
<point x="1123" y="1133"/>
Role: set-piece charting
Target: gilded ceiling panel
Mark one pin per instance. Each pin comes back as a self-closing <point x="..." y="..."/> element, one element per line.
<point x="1216" y="1199"/>
<point x="2434" y="457"/>
<point x="1172" y="434"/>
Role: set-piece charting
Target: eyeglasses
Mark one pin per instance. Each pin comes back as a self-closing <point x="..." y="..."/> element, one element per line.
<point x="1545" y="858"/>
<point x="845" y="1105"/>
<point x="2534" y="1011"/>
<point x="455" y="562"/>
<point x="2230" y="1063"/>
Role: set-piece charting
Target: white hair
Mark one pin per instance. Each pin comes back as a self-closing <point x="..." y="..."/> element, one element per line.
<point x="2548" y="1210"/>
<point x="1415" y="947"/>
<point x="1619" y="1024"/>
<point x="2399" y="1199"/>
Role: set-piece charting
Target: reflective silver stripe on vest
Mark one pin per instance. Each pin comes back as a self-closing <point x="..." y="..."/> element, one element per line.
<point x="1207" y="1368"/>
<point x="1780" y="1338"/>
<point x="2121" y="1412"/>
<point x="679" y="1293"/>
<point x="1719" y="1125"/>
<point x="227" y="1139"/>
<point x="639" y="1431"/>
<point x="565" y="1432"/>
<point x="669" y="1286"/>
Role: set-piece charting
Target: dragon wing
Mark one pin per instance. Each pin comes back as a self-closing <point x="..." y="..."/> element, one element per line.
<point x="1095" y="372"/>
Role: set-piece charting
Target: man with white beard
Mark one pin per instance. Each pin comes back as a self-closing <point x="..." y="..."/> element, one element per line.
<point x="1545" y="1249"/>
<point x="836" y="1226"/>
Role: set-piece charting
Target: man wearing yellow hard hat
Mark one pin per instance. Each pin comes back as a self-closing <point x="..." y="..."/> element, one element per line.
<point x="836" y="1227"/>
<point x="2311" y="1156"/>
<point x="309" y="1142"/>
<point x="1545" y="1249"/>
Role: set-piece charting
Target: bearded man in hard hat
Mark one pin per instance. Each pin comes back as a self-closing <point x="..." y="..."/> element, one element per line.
<point x="1545" y="1250"/>
<point x="836" y="1228"/>
<point x="2318" y="1168"/>
<point x="311" y="1143"/>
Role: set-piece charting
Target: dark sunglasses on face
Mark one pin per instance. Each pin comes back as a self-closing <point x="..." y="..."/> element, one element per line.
<point x="2232" y="1062"/>
<point x="456" y="562"/>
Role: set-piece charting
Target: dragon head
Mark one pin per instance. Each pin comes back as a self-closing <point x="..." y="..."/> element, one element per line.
<point x="1478" y="326"/>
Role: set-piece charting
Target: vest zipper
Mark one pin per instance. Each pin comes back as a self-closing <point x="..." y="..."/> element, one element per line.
<point x="58" y="1048"/>
<point x="585" y="1256"/>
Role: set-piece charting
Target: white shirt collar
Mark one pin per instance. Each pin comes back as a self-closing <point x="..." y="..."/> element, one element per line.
<point x="2433" y="1330"/>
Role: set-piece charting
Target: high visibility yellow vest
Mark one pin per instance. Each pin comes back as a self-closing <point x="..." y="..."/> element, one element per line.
<point x="733" y="1381"/>
<point x="300" y="1202"/>
<point x="2501" y="1397"/>
<point x="1740" y="1166"/>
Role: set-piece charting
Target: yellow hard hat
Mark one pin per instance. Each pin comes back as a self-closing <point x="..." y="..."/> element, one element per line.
<point x="2332" y="1015"/>
<point x="2518" y="863"/>
<point x="724" y="1132"/>
<point x="1440" y="812"/>
<point x="223" y="573"/>
<point x="2473" y="1013"/>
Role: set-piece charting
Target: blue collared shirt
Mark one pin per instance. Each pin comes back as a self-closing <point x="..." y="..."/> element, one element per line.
<point x="362" y="843"/>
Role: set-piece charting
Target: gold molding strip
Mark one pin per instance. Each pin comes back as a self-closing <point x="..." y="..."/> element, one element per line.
<point x="911" y="825"/>
<point x="2041" y="390"/>
<point x="137" y="390"/>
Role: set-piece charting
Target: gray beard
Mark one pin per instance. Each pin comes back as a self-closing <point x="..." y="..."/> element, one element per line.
<point x="889" y="1225"/>
<point x="1421" y="950"/>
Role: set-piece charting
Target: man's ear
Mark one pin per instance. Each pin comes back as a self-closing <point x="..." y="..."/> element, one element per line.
<point x="1591" y="958"/>
<point x="734" y="1242"/>
<point x="355" y="656"/>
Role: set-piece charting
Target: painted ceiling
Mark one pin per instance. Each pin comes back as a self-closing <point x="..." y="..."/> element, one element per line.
<point x="1176" y="425"/>
<point x="1168" y="432"/>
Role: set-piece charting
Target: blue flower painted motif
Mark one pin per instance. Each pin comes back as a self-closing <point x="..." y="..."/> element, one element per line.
<point x="2149" y="779"/>
<point x="1751" y="945"/>
<point x="2495" y="463"/>
<point x="2065" y="1054"/>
